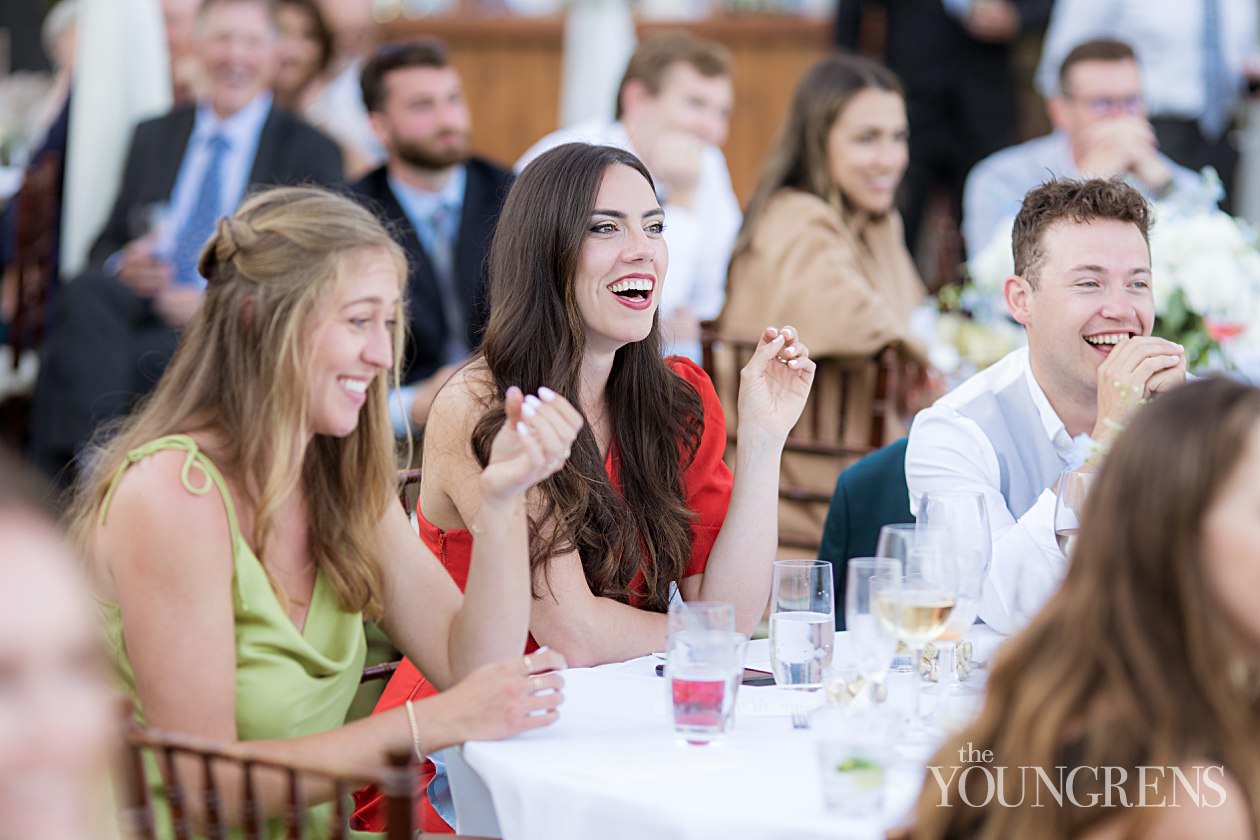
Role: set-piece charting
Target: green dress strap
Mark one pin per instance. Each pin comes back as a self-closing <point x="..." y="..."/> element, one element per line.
<point x="194" y="459"/>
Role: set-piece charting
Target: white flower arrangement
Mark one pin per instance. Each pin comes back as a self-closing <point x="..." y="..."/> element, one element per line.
<point x="1205" y="269"/>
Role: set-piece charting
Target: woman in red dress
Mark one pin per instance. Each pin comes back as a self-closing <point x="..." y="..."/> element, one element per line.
<point x="645" y="509"/>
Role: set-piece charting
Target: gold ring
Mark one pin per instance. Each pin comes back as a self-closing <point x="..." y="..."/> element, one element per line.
<point x="529" y="666"/>
<point x="534" y="684"/>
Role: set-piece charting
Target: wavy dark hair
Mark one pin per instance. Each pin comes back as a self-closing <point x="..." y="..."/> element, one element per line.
<point x="1133" y="662"/>
<point x="535" y="336"/>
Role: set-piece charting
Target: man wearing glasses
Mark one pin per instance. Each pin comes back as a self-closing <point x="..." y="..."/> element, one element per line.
<point x="1101" y="131"/>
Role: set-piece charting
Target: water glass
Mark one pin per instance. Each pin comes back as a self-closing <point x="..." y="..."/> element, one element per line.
<point x="802" y="622"/>
<point x="701" y="615"/>
<point x="1074" y="486"/>
<point x="703" y="669"/>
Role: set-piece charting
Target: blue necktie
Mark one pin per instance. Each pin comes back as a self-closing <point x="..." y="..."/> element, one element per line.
<point x="203" y="216"/>
<point x="441" y="254"/>
<point x="1219" y="90"/>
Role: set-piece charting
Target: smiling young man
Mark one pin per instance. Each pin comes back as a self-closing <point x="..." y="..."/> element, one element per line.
<point x="1082" y="291"/>
<point x="1101" y="130"/>
<point x="673" y="112"/>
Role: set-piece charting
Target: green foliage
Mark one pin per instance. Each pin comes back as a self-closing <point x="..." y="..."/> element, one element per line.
<point x="1186" y="328"/>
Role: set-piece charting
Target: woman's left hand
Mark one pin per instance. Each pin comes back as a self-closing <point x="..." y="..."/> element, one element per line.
<point x="775" y="383"/>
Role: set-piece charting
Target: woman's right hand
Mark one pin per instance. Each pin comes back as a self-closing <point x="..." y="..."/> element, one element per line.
<point x="503" y="698"/>
<point x="533" y="443"/>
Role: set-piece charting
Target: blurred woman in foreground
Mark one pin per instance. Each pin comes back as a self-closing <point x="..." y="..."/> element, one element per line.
<point x="1139" y="682"/>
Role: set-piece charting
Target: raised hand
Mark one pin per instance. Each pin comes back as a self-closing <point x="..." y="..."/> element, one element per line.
<point x="774" y="385"/>
<point x="533" y="443"/>
<point x="1136" y="369"/>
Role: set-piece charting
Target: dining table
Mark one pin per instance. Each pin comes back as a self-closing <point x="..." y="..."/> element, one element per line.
<point x="611" y="767"/>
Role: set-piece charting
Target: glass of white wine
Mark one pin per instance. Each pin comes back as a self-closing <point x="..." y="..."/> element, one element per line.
<point x="918" y="608"/>
<point x="1074" y="486"/>
<point x="958" y="522"/>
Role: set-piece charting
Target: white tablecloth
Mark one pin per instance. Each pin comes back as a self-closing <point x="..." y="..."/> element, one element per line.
<point x="611" y="768"/>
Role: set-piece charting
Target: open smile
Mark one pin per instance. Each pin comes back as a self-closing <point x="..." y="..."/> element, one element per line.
<point x="634" y="291"/>
<point x="1105" y="342"/>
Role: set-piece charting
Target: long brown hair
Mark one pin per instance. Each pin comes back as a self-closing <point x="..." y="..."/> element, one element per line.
<point x="535" y="337"/>
<point x="240" y="377"/>
<point x="799" y="158"/>
<point x="1133" y="662"/>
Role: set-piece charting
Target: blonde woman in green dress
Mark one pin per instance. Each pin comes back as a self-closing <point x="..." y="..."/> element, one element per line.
<point x="244" y="520"/>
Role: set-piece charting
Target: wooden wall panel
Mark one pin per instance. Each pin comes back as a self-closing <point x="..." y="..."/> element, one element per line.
<point x="511" y="69"/>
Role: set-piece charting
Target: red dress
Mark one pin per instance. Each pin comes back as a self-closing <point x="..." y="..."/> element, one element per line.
<point x="707" y="483"/>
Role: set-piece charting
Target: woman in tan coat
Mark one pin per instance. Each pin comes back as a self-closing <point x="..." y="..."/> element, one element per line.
<point x="822" y="249"/>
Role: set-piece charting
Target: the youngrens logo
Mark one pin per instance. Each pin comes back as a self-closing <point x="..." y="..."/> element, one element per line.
<point x="979" y="783"/>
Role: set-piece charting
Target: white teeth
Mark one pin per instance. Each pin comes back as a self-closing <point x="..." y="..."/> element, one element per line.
<point x="1109" y="338"/>
<point x="358" y="386"/>
<point x="631" y="284"/>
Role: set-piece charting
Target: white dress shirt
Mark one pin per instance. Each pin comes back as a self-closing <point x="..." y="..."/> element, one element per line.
<point x="700" y="237"/>
<point x="949" y="451"/>
<point x="1167" y="36"/>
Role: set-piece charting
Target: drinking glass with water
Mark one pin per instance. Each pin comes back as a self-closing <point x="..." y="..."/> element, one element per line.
<point x="802" y="622"/>
<point x="703" y="669"/>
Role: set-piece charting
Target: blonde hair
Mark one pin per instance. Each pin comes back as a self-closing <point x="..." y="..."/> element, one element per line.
<point x="239" y="375"/>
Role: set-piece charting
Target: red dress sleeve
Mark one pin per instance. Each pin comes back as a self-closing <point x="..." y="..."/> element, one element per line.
<point x="707" y="480"/>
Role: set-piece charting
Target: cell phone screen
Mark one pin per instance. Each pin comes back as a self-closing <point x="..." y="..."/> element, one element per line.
<point x="751" y="677"/>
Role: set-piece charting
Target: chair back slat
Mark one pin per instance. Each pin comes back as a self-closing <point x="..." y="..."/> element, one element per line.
<point x="175" y="796"/>
<point x="398" y="778"/>
<point x="210" y="799"/>
<point x="339" y="822"/>
<point x="827" y="426"/>
<point x="34" y="240"/>
<point x="251" y="816"/>
<point x="293" y="815"/>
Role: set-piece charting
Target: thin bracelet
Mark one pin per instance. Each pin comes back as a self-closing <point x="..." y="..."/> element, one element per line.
<point x="415" y="732"/>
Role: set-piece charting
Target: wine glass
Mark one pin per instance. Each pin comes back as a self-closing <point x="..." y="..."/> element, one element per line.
<point x="1074" y="488"/>
<point x="918" y="608"/>
<point x="873" y="643"/>
<point x="802" y="622"/>
<point x="895" y="541"/>
<point x="958" y="523"/>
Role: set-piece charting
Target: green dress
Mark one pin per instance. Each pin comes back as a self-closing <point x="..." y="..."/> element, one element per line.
<point x="288" y="683"/>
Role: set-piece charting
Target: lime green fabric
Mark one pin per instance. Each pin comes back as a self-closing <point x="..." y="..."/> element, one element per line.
<point x="289" y="683"/>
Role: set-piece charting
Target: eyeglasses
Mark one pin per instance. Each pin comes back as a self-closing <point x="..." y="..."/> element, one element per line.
<point x="1104" y="106"/>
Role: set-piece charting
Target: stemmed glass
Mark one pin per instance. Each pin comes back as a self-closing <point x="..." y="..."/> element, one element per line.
<point x="873" y="642"/>
<point x="1074" y="486"/>
<point x="918" y="608"/>
<point x="958" y="523"/>
<point x="895" y="541"/>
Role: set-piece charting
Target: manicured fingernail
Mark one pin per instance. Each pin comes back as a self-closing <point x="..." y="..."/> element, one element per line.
<point x="544" y="648"/>
<point x="532" y="400"/>
<point x="529" y="409"/>
<point x="522" y="429"/>
<point x="547" y="394"/>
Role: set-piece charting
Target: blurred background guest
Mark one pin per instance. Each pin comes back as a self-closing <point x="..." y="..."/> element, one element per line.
<point x="57" y="719"/>
<point x="333" y="101"/>
<point x="1160" y="593"/>
<point x="955" y="59"/>
<point x="441" y="202"/>
<point x="1194" y="61"/>
<point x="304" y="49"/>
<point x="821" y="249"/>
<point x="673" y="112"/>
<point x="119" y="322"/>
<point x="1101" y="131"/>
